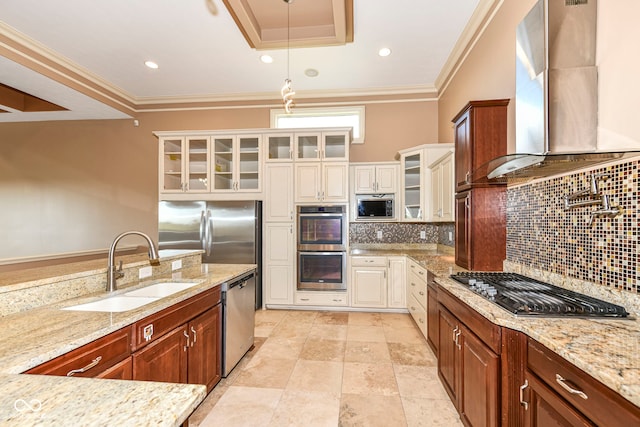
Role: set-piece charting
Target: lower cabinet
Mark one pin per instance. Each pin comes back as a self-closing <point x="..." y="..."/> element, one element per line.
<point x="433" y="330"/>
<point x="279" y="263"/>
<point x="191" y="353"/>
<point x="378" y="282"/>
<point x="322" y="298"/>
<point x="120" y="371"/>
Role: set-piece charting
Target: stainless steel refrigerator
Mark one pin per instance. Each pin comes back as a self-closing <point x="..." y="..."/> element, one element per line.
<point x="229" y="232"/>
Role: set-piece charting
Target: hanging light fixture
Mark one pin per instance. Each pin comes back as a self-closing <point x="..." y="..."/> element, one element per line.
<point x="286" y="91"/>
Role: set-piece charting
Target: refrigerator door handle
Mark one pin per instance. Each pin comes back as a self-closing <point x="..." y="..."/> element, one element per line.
<point x="209" y="248"/>
<point x="203" y="230"/>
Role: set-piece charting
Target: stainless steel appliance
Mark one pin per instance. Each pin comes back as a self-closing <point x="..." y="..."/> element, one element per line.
<point x="375" y="207"/>
<point x="322" y="245"/>
<point x="238" y="320"/>
<point x="522" y="295"/>
<point x="230" y="232"/>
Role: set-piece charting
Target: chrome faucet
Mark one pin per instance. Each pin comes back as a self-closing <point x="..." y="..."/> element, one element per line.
<point x="606" y="211"/>
<point x="112" y="273"/>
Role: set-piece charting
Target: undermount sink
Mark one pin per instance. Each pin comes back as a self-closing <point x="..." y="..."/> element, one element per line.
<point x="161" y="290"/>
<point x="134" y="299"/>
<point x="115" y="304"/>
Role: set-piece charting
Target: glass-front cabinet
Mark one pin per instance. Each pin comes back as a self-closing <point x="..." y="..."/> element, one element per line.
<point x="315" y="146"/>
<point x="279" y="147"/>
<point x="184" y="165"/>
<point x="236" y="162"/>
<point x="413" y="190"/>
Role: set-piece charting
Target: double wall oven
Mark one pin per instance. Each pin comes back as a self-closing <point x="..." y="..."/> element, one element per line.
<point x="322" y="246"/>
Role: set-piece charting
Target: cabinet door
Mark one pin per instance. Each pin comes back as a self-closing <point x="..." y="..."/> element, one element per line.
<point x="279" y="263"/>
<point x="462" y="228"/>
<point x="279" y="192"/>
<point x="279" y="147"/>
<point x="412" y="185"/>
<point x="222" y="147"/>
<point x="197" y="164"/>
<point x="369" y="287"/>
<point x="365" y="179"/>
<point x="308" y="146"/>
<point x="171" y="166"/>
<point x="448" y="354"/>
<point x="120" y="371"/>
<point x="163" y="360"/>
<point x="205" y="351"/>
<point x="447" y="189"/>
<point x="547" y="409"/>
<point x="247" y="163"/>
<point x="335" y="146"/>
<point x="397" y="283"/>
<point x="435" y="207"/>
<point x="386" y="179"/>
<point x="335" y="180"/>
<point x="308" y="182"/>
<point x="479" y="379"/>
<point x="463" y="151"/>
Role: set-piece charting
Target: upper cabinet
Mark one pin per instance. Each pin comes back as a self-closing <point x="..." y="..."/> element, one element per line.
<point x="442" y="191"/>
<point x="375" y="178"/>
<point x="184" y="164"/>
<point x="480" y="136"/>
<point x="236" y="163"/>
<point x="416" y="178"/>
<point x="330" y="145"/>
<point x="279" y="147"/>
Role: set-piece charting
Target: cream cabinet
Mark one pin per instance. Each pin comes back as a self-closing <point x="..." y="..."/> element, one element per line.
<point x="417" y="294"/>
<point x="322" y="298"/>
<point x="378" y="282"/>
<point x="442" y="190"/>
<point x="278" y="193"/>
<point x="326" y="145"/>
<point x="279" y="263"/>
<point x="279" y="147"/>
<point x="236" y="163"/>
<point x="322" y="182"/>
<point x="416" y="180"/>
<point x="184" y="164"/>
<point x="375" y="178"/>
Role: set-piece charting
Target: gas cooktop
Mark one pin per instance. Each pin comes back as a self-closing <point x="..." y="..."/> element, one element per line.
<point x="522" y="295"/>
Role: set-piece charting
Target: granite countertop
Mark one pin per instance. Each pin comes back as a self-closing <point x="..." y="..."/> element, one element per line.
<point x="607" y="349"/>
<point x="36" y="336"/>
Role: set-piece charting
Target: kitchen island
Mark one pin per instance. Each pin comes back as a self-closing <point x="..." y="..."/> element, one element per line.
<point x="32" y="337"/>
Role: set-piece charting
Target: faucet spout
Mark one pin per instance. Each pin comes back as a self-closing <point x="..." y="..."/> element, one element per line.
<point x="112" y="273"/>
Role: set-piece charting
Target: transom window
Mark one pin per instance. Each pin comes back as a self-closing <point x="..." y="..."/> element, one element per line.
<point x="301" y="118"/>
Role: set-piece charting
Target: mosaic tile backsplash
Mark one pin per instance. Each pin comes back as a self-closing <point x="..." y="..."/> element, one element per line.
<point x="400" y="232"/>
<point x="542" y="234"/>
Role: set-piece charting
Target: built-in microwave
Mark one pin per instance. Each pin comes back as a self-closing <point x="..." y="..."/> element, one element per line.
<point x="375" y="207"/>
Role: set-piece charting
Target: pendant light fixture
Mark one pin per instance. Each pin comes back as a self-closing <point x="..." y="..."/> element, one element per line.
<point x="286" y="91"/>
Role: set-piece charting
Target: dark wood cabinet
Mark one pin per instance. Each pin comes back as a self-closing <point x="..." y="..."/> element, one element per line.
<point x="164" y="360"/>
<point x="204" y="355"/>
<point x="480" y="229"/>
<point x="120" y="371"/>
<point x="433" y="323"/>
<point x="448" y="355"/>
<point x="480" y="136"/>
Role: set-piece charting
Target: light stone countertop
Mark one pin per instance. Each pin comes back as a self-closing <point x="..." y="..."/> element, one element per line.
<point x="608" y="350"/>
<point x="36" y="336"/>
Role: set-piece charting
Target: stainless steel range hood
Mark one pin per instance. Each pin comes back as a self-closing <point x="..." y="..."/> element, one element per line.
<point x="556" y="94"/>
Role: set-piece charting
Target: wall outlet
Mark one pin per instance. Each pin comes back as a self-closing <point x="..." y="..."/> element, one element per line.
<point x="450" y="236"/>
<point x="145" y="272"/>
<point x="176" y="265"/>
<point x="423" y="234"/>
<point x="379" y="234"/>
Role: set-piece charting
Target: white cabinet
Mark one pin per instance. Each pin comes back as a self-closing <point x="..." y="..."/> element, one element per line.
<point x="321" y="182"/>
<point x="184" y="164"/>
<point x="378" y="282"/>
<point x="279" y="147"/>
<point x="322" y="298"/>
<point x="442" y="190"/>
<point x="329" y="145"/>
<point x="236" y="163"/>
<point x="416" y="180"/>
<point x="279" y="263"/>
<point x="375" y="178"/>
<point x="417" y="294"/>
<point x="278" y="196"/>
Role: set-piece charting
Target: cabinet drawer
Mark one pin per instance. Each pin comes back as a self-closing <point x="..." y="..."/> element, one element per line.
<point x="601" y="404"/>
<point x="321" y="298"/>
<point x="160" y="323"/>
<point x="358" y="261"/>
<point x="418" y="288"/>
<point x="418" y="313"/>
<point x="91" y="359"/>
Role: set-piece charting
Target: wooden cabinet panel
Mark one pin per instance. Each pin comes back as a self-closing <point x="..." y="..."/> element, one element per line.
<point x="433" y="329"/>
<point x="448" y="358"/>
<point x="204" y="353"/>
<point x="165" y="359"/>
<point x="119" y="371"/>
<point x="91" y="359"/>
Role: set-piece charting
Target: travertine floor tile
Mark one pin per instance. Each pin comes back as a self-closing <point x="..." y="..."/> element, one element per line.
<point x="266" y="372"/>
<point x="332" y="318"/>
<point x="329" y="332"/>
<point x="371" y="411"/>
<point x="244" y="406"/>
<point x="419" y="381"/>
<point x="319" y="349"/>
<point x="410" y="335"/>
<point x="300" y="408"/>
<point x="411" y="354"/>
<point x="365" y="333"/>
<point x="397" y="320"/>
<point x="367" y="352"/>
<point x="369" y="379"/>
<point x="316" y="376"/>
<point x="421" y="412"/>
<point x="365" y="319"/>
<point x="289" y="328"/>
<point x="282" y="348"/>
<point x="300" y="316"/>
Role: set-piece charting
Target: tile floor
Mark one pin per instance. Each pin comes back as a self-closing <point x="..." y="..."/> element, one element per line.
<point x="314" y="368"/>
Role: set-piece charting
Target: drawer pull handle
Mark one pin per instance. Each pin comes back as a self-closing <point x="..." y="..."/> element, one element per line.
<point x="456" y="340"/>
<point x="565" y="385"/>
<point x="93" y="363"/>
<point x="453" y="336"/>
<point x="304" y="299"/>
<point x="522" y="401"/>
<point x="187" y="336"/>
<point x="194" y="336"/>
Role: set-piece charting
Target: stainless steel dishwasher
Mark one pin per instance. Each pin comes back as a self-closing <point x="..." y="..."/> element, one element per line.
<point x="238" y="319"/>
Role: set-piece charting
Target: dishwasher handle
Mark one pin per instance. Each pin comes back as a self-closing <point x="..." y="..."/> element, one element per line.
<point x="240" y="282"/>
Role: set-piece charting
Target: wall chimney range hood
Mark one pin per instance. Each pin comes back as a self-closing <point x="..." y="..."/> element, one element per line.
<point x="556" y="95"/>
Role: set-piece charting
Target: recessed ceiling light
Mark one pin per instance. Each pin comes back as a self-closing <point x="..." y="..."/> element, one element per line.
<point x="311" y="72"/>
<point x="151" y="64"/>
<point x="266" y="59"/>
<point x="385" y="51"/>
